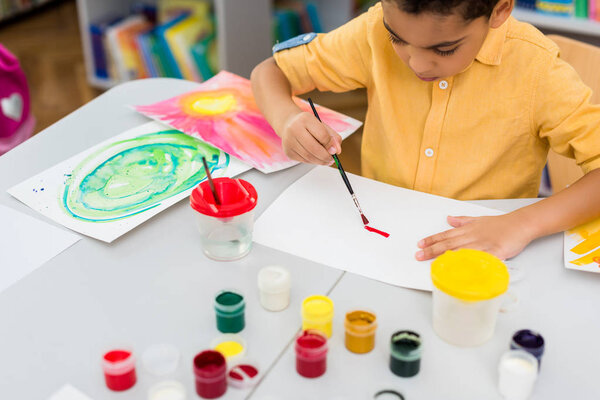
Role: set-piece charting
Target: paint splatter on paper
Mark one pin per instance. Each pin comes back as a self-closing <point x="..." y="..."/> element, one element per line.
<point x="111" y="188"/>
<point x="222" y="112"/>
<point x="582" y="247"/>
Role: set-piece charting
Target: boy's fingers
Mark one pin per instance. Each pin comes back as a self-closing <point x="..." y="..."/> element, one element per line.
<point x="335" y="142"/>
<point x="306" y="150"/>
<point x="313" y="147"/>
<point x="459" y="221"/>
<point x="438" y="237"/>
<point x="323" y="134"/>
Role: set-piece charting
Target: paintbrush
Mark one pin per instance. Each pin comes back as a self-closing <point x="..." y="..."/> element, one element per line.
<point x="210" y="182"/>
<point x="342" y="172"/>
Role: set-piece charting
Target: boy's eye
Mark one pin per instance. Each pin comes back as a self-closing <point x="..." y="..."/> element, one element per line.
<point x="445" y="53"/>
<point x="394" y="39"/>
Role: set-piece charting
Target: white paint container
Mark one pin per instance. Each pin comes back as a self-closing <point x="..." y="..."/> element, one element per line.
<point x="518" y="371"/>
<point x="167" y="390"/>
<point x="274" y="285"/>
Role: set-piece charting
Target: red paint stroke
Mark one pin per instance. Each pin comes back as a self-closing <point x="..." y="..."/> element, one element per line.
<point x="382" y="233"/>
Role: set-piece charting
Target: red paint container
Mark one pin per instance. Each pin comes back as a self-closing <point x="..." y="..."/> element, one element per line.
<point x="119" y="369"/>
<point x="311" y="354"/>
<point x="210" y="370"/>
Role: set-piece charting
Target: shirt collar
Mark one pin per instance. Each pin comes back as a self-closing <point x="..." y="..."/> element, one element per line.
<point x="491" y="50"/>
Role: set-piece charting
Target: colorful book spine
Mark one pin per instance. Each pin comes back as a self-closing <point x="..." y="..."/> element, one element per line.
<point x="581" y="8"/>
<point x="528" y="4"/>
<point x="556" y="7"/>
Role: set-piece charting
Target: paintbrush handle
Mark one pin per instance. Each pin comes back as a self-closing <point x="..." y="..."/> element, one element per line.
<point x="343" y="173"/>
<point x="335" y="157"/>
<point x="210" y="182"/>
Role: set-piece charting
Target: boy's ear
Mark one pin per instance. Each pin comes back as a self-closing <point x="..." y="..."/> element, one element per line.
<point x="501" y="12"/>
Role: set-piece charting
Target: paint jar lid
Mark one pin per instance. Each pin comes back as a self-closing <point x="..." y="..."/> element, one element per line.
<point x="470" y="275"/>
<point x="231" y="345"/>
<point x="237" y="197"/>
<point x="360" y="322"/>
<point x="528" y="340"/>
<point x="167" y="390"/>
<point x="311" y="344"/>
<point x="388" y="394"/>
<point x="243" y="375"/>
<point x="118" y="361"/>
<point x="406" y="345"/>
<point x="274" y="279"/>
<point x="316" y="307"/>
<point x="161" y="359"/>
<point x="209" y="366"/>
<point x="229" y="301"/>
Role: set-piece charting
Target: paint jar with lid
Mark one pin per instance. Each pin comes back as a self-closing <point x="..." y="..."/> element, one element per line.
<point x="167" y="390"/>
<point x="530" y="341"/>
<point x="225" y="223"/>
<point x="210" y="372"/>
<point x="467" y="295"/>
<point x="360" y="331"/>
<point x="230" y="307"/>
<point x="518" y="371"/>
<point x="311" y="354"/>
<point x="118" y="366"/>
<point x="231" y="345"/>
<point x="317" y="314"/>
<point x="405" y="357"/>
<point x="274" y="287"/>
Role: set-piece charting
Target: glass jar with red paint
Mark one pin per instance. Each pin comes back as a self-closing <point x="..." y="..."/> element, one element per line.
<point x="210" y="372"/>
<point x="311" y="354"/>
<point x="119" y="369"/>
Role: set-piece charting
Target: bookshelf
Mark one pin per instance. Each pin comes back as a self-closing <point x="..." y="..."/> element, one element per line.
<point x="244" y="29"/>
<point x="565" y="25"/>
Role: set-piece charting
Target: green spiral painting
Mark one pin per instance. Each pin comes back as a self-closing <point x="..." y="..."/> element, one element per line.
<point x="131" y="176"/>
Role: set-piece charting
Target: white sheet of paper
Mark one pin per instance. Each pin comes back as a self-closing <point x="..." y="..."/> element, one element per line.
<point x="44" y="192"/>
<point x="587" y="258"/>
<point x="26" y="244"/>
<point x="68" y="392"/>
<point x="315" y="218"/>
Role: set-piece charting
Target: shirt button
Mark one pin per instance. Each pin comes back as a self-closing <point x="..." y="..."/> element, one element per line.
<point x="429" y="152"/>
<point x="306" y="37"/>
<point x="443" y="85"/>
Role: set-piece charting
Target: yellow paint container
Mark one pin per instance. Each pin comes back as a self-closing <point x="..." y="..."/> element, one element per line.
<point x="232" y="346"/>
<point x="317" y="314"/>
<point x="360" y="331"/>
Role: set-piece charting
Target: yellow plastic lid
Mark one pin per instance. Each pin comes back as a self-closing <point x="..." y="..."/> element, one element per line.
<point x="469" y="274"/>
<point x="317" y="306"/>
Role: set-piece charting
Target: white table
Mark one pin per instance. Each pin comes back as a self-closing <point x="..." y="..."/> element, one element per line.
<point x="153" y="285"/>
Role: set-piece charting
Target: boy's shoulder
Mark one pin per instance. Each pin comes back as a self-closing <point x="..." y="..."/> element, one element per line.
<point x="529" y="38"/>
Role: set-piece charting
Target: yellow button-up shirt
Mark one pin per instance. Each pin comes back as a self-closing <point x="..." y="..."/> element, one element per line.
<point x="481" y="134"/>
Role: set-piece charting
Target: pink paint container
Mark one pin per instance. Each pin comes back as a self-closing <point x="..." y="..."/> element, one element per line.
<point x="119" y="369"/>
<point x="311" y="354"/>
<point x="210" y="371"/>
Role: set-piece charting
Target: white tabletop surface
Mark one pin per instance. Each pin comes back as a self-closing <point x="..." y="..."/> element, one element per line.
<point x="153" y="285"/>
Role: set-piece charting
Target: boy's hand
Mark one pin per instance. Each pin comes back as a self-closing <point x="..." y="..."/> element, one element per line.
<point x="307" y="140"/>
<point x="504" y="236"/>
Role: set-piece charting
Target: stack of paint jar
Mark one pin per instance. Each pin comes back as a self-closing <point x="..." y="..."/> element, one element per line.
<point x="360" y="327"/>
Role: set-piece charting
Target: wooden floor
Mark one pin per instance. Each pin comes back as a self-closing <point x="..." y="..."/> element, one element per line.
<point x="48" y="45"/>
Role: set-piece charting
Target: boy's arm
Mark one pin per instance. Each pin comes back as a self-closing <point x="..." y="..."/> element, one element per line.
<point x="505" y="236"/>
<point x="304" y="138"/>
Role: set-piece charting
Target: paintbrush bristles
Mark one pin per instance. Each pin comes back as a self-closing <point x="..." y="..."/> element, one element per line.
<point x="364" y="219"/>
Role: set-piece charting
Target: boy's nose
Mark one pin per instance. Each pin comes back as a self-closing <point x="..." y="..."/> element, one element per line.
<point x="420" y="66"/>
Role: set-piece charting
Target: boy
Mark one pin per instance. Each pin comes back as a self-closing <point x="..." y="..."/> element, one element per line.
<point x="464" y="102"/>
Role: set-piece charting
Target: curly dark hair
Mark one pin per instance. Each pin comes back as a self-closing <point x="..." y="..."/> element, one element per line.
<point x="469" y="9"/>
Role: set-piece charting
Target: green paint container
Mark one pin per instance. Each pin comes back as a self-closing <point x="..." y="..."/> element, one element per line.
<point x="405" y="358"/>
<point x="229" y="307"/>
